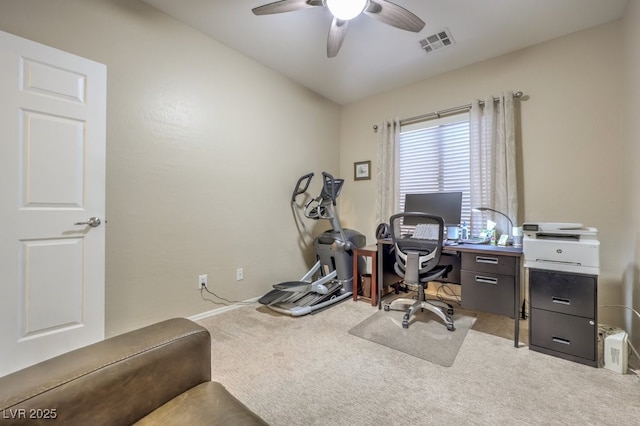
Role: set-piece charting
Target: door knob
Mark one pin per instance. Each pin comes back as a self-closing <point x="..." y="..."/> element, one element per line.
<point x="92" y="222"/>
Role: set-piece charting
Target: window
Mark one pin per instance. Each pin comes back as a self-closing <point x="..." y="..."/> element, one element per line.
<point x="434" y="157"/>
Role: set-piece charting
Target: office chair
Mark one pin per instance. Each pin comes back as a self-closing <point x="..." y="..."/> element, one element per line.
<point x="417" y="257"/>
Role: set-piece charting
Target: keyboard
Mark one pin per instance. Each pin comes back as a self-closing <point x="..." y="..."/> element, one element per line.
<point x="425" y="231"/>
<point x="476" y="240"/>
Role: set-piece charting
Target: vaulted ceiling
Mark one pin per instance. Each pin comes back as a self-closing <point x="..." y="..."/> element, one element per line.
<point x="376" y="57"/>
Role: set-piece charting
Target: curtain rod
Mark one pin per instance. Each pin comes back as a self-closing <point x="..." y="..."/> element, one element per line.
<point x="443" y="113"/>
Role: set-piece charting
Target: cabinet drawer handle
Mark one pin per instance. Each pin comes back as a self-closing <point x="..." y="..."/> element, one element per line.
<point x="561" y="340"/>
<point x="489" y="260"/>
<point x="560" y="301"/>
<point x="486" y="280"/>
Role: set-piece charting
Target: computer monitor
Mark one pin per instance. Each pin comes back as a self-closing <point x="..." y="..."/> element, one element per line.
<point x="447" y="205"/>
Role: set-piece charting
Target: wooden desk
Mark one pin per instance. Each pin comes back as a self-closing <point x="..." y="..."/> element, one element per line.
<point x="372" y="252"/>
<point x="490" y="277"/>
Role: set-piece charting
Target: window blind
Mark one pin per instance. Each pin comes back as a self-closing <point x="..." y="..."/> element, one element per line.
<point x="434" y="157"/>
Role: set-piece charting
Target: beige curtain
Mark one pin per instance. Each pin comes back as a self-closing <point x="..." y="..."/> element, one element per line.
<point x="387" y="170"/>
<point x="493" y="162"/>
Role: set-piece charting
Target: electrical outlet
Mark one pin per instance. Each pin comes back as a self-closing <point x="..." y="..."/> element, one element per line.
<point x="202" y="281"/>
<point x="239" y="274"/>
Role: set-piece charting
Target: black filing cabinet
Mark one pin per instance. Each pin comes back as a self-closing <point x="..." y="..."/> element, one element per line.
<point x="563" y="315"/>
<point x="488" y="282"/>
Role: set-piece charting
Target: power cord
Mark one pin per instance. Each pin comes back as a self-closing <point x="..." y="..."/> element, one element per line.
<point x="225" y="302"/>
<point x="447" y="291"/>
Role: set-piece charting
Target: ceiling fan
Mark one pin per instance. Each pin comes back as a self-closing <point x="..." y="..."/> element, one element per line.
<point x="345" y="10"/>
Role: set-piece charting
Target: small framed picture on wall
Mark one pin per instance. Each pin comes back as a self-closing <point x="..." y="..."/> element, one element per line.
<point x="362" y="170"/>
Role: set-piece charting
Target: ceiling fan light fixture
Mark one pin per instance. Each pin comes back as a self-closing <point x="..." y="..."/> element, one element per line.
<point x="346" y="9"/>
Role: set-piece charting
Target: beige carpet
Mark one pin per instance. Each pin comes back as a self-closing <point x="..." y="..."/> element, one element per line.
<point x="311" y="371"/>
<point x="426" y="338"/>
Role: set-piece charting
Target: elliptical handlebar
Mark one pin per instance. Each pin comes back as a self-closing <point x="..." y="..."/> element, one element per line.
<point x="306" y="180"/>
<point x="321" y="206"/>
<point x="331" y="187"/>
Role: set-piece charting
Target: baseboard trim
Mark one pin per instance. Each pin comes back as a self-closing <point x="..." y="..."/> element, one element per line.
<point x="217" y="311"/>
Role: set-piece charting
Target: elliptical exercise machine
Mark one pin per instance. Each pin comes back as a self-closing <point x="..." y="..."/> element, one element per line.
<point x="330" y="280"/>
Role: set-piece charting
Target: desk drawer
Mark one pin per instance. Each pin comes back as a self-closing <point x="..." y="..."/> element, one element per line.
<point x="489" y="262"/>
<point x="563" y="333"/>
<point x="563" y="292"/>
<point x="488" y="292"/>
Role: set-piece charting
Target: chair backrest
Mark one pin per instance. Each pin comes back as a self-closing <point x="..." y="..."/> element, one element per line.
<point x="418" y="248"/>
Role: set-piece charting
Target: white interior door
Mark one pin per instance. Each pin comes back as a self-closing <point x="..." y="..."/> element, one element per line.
<point x="52" y="176"/>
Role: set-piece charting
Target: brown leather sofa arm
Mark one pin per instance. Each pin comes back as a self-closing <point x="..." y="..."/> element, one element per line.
<point x="114" y="382"/>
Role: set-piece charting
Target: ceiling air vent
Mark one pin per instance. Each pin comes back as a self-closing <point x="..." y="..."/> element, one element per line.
<point x="437" y="41"/>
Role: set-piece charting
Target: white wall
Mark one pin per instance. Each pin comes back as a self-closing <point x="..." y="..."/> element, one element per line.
<point x="631" y="172"/>
<point x="204" y="147"/>
<point x="569" y="141"/>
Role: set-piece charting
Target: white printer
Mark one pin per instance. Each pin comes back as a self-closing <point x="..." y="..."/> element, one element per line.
<point x="568" y="247"/>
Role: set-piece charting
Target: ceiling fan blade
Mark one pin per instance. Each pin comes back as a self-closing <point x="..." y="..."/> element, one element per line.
<point x="337" y="32"/>
<point x="394" y="15"/>
<point x="285" y="6"/>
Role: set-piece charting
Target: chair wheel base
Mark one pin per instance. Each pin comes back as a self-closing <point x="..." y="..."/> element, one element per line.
<point x="422" y="306"/>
